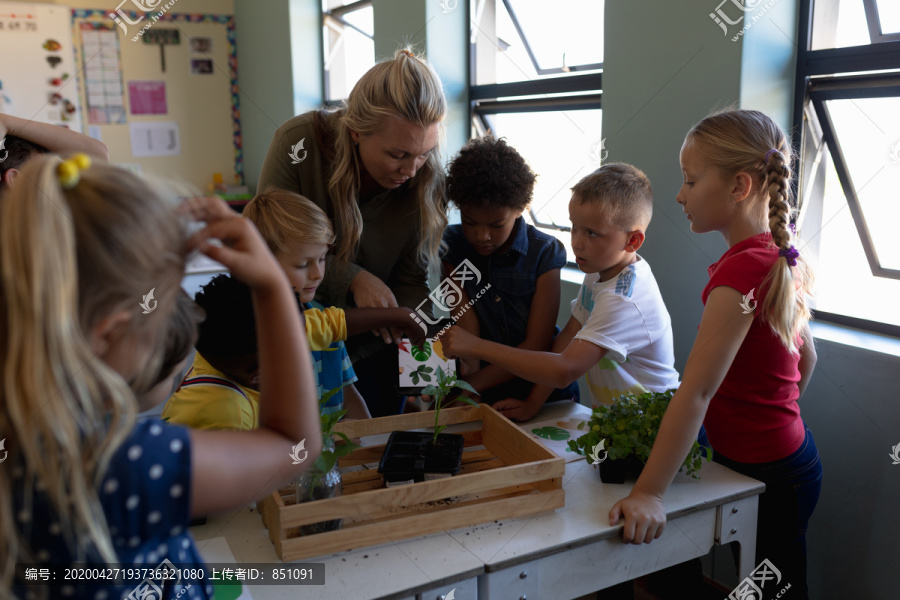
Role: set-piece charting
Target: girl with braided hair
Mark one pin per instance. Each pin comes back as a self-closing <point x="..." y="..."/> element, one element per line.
<point x="753" y="355"/>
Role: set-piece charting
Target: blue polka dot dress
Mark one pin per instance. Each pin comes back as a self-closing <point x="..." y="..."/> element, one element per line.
<point x="145" y="496"/>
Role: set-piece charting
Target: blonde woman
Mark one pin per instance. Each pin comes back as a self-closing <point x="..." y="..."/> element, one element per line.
<point x="752" y="360"/>
<point x="374" y="167"/>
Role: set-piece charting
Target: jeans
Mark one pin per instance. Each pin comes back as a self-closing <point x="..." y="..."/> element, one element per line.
<point x="792" y="491"/>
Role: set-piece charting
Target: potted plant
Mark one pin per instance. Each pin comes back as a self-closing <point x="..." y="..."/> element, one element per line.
<point x="412" y="456"/>
<point x="323" y="479"/>
<point x="624" y="432"/>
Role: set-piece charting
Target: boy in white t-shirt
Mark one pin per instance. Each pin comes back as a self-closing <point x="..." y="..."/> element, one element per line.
<point x="620" y="332"/>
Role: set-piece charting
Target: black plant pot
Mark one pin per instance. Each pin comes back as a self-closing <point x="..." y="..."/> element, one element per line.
<point x="612" y="471"/>
<point x="617" y="471"/>
<point x="410" y="456"/>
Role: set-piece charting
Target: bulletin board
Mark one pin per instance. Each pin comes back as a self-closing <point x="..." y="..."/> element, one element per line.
<point x="180" y="115"/>
<point x="39" y="71"/>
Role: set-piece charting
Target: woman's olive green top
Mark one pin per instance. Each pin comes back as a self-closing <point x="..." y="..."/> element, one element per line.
<point x="390" y="233"/>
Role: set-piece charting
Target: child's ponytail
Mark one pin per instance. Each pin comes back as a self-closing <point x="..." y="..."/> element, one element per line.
<point x="76" y="243"/>
<point x="784" y="305"/>
<point x="748" y="141"/>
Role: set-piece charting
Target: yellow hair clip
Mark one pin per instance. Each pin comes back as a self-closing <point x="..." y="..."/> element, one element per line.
<point x="69" y="171"/>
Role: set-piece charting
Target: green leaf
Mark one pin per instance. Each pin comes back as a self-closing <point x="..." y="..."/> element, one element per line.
<point x="422" y="353"/>
<point x="346" y="439"/>
<point x="464" y="385"/>
<point x="429" y="391"/>
<point x="551" y="433"/>
<point x="415" y="377"/>
<point x="467" y="400"/>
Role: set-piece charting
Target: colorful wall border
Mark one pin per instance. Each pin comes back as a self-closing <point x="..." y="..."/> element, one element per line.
<point x="228" y="21"/>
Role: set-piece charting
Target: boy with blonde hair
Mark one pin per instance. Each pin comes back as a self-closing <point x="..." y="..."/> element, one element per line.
<point x="620" y="333"/>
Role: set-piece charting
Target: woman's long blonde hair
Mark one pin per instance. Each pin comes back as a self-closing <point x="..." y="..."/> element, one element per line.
<point x="69" y="258"/>
<point x="747" y="141"/>
<point x="405" y="87"/>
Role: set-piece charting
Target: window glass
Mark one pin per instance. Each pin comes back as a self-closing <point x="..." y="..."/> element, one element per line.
<point x="349" y="52"/>
<point x="844" y="284"/>
<point x="869" y="135"/>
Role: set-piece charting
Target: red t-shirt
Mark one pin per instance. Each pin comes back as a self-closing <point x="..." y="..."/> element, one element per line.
<point x="754" y="416"/>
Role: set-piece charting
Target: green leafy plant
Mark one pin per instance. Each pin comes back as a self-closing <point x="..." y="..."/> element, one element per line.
<point x="629" y="425"/>
<point x="446" y="383"/>
<point x="423" y="373"/>
<point x="331" y="452"/>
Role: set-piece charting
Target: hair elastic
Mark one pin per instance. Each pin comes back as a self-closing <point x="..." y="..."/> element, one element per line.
<point x="69" y="171"/>
<point x="408" y="52"/>
<point x="769" y="154"/>
<point x="790" y="255"/>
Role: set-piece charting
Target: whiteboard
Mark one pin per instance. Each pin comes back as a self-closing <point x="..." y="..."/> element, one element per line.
<point x="36" y="43"/>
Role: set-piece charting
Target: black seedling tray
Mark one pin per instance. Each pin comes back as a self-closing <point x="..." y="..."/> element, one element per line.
<point x="410" y="457"/>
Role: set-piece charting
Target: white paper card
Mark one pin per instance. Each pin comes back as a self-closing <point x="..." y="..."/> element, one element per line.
<point x="154" y="139"/>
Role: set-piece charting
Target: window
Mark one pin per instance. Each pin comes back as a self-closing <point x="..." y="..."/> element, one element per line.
<point x="536" y="81"/>
<point x="348" y="28"/>
<point x="849" y="96"/>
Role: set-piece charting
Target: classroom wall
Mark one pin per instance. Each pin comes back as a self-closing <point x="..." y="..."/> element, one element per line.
<point x="199" y="104"/>
<point x="666" y="68"/>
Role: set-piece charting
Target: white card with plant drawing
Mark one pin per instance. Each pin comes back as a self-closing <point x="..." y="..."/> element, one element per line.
<point x="418" y="364"/>
<point x="556" y="433"/>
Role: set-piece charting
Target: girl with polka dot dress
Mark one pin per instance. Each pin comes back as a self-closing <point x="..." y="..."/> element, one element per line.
<point x="91" y="261"/>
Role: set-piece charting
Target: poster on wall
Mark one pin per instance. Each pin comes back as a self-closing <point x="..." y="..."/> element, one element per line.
<point x="38" y="73"/>
<point x="102" y="73"/>
<point x="201" y="45"/>
<point x="154" y="139"/>
<point x="147" y="97"/>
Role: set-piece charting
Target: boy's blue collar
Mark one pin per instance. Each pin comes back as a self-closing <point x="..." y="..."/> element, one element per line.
<point x="520" y="236"/>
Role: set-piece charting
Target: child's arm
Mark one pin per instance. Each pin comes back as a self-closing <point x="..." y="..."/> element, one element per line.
<point x="233" y="468"/>
<point x="523" y="410"/>
<point x="547" y="368"/>
<point x="723" y="328"/>
<point x="808" y="358"/>
<point x="360" y="320"/>
<point x="54" y="138"/>
<point x="354" y="403"/>
<point x="538" y="332"/>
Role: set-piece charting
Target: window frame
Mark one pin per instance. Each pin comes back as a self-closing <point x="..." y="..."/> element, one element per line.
<point x="823" y="75"/>
<point x="335" y="18"/>
<point x="582" y="91"/>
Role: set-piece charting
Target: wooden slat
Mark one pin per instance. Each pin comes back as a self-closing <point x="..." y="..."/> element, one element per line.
<point x="375" y="501"/>
<point x="448" y="416"/>
<point x="441" y="506"/>
<point x="512" y="449"/>
<point x="416" y="525"/>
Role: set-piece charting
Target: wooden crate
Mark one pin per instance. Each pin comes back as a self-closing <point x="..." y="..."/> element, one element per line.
<point x="505" y="474"/>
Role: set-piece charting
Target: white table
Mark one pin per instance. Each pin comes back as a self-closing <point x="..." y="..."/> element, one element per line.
<point x="566" y="553"/>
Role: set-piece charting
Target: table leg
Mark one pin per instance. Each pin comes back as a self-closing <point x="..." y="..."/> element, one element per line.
<point x="736" y="522"/>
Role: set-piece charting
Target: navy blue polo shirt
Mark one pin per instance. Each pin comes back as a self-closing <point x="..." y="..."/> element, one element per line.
<point x="503" y="310"/>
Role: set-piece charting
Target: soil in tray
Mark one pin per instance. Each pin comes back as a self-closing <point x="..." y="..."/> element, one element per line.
<point x="410" y="456"/>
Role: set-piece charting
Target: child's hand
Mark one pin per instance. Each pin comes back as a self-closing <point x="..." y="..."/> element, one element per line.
<point x="243" y="251"/>
<point x="519" y="410"/>
<point x="644" y="514"/>
<point x="371" y="292"/>
<point x="409" y="327"/>
<point x="456" y="341"/>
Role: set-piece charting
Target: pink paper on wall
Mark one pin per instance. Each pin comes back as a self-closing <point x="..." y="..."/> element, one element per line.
<point x="147" y="97"/>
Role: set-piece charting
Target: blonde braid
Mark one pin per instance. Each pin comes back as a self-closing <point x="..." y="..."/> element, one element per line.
<point x="784" y="306"/>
